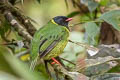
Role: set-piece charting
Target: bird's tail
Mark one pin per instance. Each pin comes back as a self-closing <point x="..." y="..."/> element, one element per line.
<point x="33" y="63"/>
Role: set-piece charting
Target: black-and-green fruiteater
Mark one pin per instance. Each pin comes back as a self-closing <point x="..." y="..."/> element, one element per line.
<point x="50" y="40"/>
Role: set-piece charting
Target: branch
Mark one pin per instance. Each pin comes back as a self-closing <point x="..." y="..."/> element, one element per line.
<point x="19" y="28"/>
<point x="73" y="75"/>
<point x="25" y="21"/>
<point x="67" y="60"/>
<point x="22" y="53"/>
<point x="85" y="46"/>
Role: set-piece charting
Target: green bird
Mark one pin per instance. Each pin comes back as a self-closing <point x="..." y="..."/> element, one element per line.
<point x="50" y="40"/>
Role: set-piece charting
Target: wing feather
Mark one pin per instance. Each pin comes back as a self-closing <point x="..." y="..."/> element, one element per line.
<point x="49" y="48"/>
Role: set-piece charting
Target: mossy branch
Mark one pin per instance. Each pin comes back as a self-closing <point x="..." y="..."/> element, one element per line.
<point x="14" y="23"/>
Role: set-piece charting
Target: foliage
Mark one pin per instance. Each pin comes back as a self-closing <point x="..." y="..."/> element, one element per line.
<point x="92" y="30"/>
<point x="112" y="17"/>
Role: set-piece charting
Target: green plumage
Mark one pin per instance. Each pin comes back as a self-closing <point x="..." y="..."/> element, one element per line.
<point x="49" y="41"/>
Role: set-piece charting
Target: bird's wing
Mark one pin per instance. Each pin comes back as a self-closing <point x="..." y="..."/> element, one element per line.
<point x="45" y="40"/>
<point x="43" y="46"/>
<point x="48" y="45"/>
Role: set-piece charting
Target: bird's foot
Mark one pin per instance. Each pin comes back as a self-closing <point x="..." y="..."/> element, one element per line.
<point x="55" y="61"/>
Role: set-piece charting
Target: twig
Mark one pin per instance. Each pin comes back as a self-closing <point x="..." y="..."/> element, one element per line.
<point x="114" y="59"/>
<point x="26" y="21"/>
<point x="21" y="31"/>
<point x="85" y="46"/>
<point x="82" y="22"/>
<point x="22" y="19"/>
<point x="67" y="61"/>
<point x="78" y="4"/>
<point x="4" y="38"/>
<point x="107" y="59"/>
<point x="73" y="75"/>
<point x="22" y="53"/>
<point x="76" y="24"/>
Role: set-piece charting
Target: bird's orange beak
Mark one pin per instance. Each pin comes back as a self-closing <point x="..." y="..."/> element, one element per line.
<point x="69" y="19"/>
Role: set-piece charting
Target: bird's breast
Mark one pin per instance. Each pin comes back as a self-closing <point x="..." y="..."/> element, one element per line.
<point x="57" y="50"/>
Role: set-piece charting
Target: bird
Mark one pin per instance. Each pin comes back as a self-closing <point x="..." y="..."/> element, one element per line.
<point x="50" y="40"/>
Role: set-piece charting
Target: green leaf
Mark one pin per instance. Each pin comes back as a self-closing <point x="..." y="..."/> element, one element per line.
<point x="11" y="65"/>
<point x="39" y="1"/>
<point x="104" y="2"/>
<point x="4" y="26"/>
<point x="7" y="76"/>
<point x="115" y="69"/>
<point x="4" y="66"/>
<point x="74" y="13"/>
<point x="107" y="76"/>
<point x="97" y="66"/>
<point x="113" y="18"/>
<point x="92" y="5"/>
<point x="12" y="1"/>
<point x="92" y="31"/>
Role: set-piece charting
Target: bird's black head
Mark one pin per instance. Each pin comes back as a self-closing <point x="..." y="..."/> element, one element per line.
<point x="62" y="20"/>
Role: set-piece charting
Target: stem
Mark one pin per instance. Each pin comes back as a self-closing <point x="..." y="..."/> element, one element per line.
<point x="85" y="46"/>
<point x="67" y="61"/>
<point x="82" y="22"/>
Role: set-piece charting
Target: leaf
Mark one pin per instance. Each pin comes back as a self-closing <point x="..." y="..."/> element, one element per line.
<point x="4" y="66"/>
<point x="7" y="76"/>
<point x="11" y="65"/>
<point x="74" y="13"/>
<point x="115" y="69"/>
<point x="91" y="32"/>
<point x="91" y="4"/>
<point x="113" y="18"/>
<point x="12" y="1"/>
<point x="107" y="76"/>
<point x="97" y="69"/>
<point x="74" y="75"/>
<point x="39" y="1"/>
<point x="98" y="66"/>
<point x="22" y="69"/>
<point x="4" y="26"/>
<point x="104" y="2"/>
